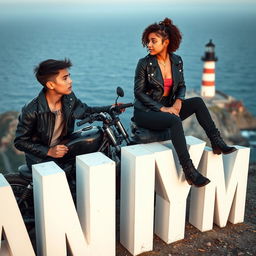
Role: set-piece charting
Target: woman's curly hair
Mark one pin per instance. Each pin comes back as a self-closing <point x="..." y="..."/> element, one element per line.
<point x="167" y="30"/>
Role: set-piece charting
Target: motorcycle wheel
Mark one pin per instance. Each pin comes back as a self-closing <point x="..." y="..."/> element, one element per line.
<point x="26" y="206"/>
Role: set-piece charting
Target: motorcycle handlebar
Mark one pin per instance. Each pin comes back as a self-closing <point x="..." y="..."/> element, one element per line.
<point x="127" y="105"/>
<point x="93" y="117"/>
<point x="86" y="120"/>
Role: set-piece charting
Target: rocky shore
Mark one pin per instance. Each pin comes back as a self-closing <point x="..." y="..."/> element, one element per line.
<point x="10" y="157"/>
<point x="229" y="115"/>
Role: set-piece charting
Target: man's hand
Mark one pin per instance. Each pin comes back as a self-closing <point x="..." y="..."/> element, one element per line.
<point x="119" y="104"/>
<point x="57" y="151"/>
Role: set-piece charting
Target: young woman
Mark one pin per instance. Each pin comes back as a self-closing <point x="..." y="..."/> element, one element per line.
<point x="160" y="103"/>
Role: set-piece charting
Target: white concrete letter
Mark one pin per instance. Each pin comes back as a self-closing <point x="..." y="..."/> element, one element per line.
<point x="171" y="188"/>
<point x="57" y="223"/>
<point x="96" y="177"/>
<point x="224" y="198"/>
<point x="137" y="199"/>
<point x="16" y="241"/>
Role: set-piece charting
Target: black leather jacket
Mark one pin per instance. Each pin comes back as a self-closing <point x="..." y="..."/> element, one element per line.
<point x="36" y="123"/>
<point x="149" y="84"/>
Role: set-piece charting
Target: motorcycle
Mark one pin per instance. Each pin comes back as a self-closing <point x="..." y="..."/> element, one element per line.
<point x="106" y="138"/>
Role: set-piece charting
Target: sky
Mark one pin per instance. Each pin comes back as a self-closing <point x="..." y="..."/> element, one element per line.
<point x="118" y="6"/>
<point x="205" y="2"/>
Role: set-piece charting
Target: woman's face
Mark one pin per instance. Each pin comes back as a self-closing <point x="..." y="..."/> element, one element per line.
<point x="156" y="44"/>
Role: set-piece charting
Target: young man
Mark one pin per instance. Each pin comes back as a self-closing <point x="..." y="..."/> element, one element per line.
<point x="50" y="116"/>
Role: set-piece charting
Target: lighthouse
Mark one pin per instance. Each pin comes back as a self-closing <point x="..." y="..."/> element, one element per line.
<point x="208" y="78"/>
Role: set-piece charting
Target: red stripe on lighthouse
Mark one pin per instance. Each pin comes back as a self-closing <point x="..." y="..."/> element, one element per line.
<point x="208" y="83"/>
<point x="209" y="70"/>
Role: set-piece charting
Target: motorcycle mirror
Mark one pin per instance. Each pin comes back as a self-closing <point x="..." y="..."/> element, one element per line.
<point x="120" y="91"/>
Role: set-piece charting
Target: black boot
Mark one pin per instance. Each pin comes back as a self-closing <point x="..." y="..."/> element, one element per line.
<point x="194" y="177"/>
<point x="218" y="145"/>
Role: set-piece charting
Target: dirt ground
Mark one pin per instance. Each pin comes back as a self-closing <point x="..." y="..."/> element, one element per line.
<point x="234" y="239"/>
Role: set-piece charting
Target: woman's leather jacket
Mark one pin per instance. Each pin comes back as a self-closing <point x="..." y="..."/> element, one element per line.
<point x="149" y="84"/>
<point x="36" y="123"/>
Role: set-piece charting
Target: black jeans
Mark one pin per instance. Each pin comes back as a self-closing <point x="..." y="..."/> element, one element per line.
<point x="161" y="120"/>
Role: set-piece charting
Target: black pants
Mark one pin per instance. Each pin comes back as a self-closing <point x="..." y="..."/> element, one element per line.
<point x="161" y="120"/>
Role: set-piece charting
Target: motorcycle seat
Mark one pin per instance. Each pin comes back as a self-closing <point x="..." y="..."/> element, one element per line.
<point x="25" y="172"/>
<point x="143" y="135"/>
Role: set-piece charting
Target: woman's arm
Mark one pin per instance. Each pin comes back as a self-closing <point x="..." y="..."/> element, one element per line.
<point x="140" y="81"/>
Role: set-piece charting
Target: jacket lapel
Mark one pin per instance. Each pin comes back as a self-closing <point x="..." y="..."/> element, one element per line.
<point x="155" y="70"/>
<point x="175" y="70"/>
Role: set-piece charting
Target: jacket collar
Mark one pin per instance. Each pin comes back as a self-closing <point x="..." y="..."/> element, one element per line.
<point x="173" y="57"/>
<point x="67" y="100"/>
<point x="175" y="61"/>
<point x="42" y="102"/>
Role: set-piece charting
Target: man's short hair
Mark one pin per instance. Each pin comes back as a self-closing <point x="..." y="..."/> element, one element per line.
<point x="47" y="69"/>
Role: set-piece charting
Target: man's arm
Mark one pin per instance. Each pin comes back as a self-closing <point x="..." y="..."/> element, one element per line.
<point x="81" y="110"/>
<point x="23" y="140"/>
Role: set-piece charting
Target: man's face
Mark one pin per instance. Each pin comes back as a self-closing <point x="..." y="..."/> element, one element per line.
<point x="62" y="83"/>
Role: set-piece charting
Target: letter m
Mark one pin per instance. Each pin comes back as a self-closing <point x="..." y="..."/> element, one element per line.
<point x="224" y="198"/>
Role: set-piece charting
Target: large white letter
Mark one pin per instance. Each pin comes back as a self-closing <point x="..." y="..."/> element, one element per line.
<point x="138" y="169"/>
<point x="224" y="198"/>
<point x="96" y="185"/>
<point x="17" y="241"/>
<point x="55" y="212"/>
<point x="58" y="225"/>
<point x="171" y="188"/>
<point x="137" y="199"/>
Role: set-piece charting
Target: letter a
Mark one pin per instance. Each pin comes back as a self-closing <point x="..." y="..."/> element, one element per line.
<point x="17" y="240"/>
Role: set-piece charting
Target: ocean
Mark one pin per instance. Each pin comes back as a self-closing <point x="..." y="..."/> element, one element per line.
<point x="104" y="45"/>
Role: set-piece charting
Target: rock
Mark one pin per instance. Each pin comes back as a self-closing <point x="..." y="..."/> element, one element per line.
<point x="10" y="157"/>
<point x="228" y="121"/>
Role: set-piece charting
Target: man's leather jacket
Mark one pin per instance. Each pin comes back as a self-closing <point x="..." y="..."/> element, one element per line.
<point x="149" y="84"/>
<point x="36" y="123"/>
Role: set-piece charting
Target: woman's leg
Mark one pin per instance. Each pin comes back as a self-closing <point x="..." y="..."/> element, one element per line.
<point x="161" y="120"/>
<point x="196" y="105"/>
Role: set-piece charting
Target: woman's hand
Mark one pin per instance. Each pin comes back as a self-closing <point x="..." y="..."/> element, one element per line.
<point x="170" y="110"/>
<point x="57" y="151"/>
<point x="174" y="109"/>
